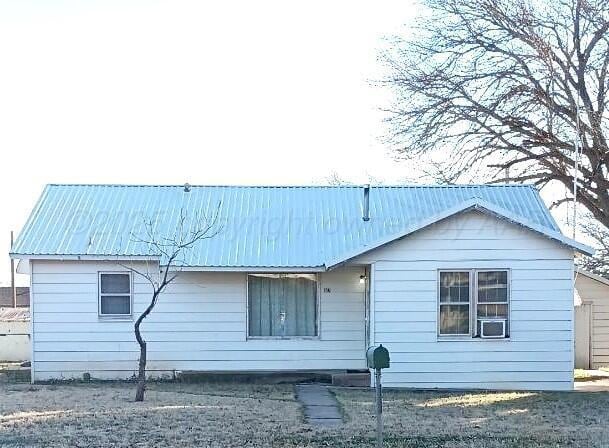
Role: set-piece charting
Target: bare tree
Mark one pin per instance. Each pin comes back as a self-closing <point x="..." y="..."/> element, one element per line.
<point x="172" y="248"/>
<point x="495" y="86"/>
<point x="599" y="263"/>
<point x="336" y="180"/>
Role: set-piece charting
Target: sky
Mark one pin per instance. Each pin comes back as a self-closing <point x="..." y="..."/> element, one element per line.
<point x="231" y="92"/>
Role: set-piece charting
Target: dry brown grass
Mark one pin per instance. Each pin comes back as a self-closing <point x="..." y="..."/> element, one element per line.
<point x="482" y="419"/>
<point x="581" y="375"/>
<point x="176" y="415"/>
<point x="243" y="415"/>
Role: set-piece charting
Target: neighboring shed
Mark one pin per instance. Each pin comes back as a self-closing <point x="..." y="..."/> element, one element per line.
<point x="15" y="334"/>
<point x="6" y="296"/>
<point x="591" y="320"/>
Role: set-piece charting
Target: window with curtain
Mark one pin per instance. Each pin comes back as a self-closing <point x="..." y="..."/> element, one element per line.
<point x="454" y="303"/>
<point x="115" y="294"/>
<point x="282" y="305"/>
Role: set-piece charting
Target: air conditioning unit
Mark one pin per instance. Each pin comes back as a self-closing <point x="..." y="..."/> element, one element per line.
<point x="492" y="328"/>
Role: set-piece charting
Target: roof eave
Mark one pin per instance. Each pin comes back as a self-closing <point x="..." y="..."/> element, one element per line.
<point x="74" y="257"/>
<point x="82" y="257"/>
<point x="592" y="275"/>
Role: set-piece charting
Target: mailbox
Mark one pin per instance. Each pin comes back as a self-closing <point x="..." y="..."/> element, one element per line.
<point x="377" y="357"/>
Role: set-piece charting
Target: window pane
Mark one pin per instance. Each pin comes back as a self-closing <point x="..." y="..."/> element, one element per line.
<point x="454" y="287"/>
<point x="282" y="305"/>
<point x="454" y="319"/>
<point x="115" y="283"/>
<point x="492" y="286"/>
<point x="115" y="305"/>
<point x="499" y="311"/>
<point x="492" y="298"/>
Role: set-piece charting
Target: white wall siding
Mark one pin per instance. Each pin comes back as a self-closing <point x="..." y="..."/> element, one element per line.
<point x="199" y="323"/>
<point x="539" y="352"/>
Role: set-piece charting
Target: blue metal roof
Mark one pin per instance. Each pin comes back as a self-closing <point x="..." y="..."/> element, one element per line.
<point x="262" y="226"/>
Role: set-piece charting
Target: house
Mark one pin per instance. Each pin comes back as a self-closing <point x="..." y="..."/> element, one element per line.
<point x="591" y="320"/>
<point x="467" y="286"/>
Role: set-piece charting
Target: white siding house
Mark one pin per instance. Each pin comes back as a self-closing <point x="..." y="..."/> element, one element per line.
<point x="306" y="278"/>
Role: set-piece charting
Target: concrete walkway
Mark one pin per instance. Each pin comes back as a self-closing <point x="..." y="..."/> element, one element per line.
<point x="320" y="406"/>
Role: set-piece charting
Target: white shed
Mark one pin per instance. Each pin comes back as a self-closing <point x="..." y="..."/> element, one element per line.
<point x="591" y="320"/>
<point x="15" y="334"/>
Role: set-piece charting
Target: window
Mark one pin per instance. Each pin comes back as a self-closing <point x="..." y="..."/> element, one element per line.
<point x="115" y="294"/>
<point x="454" y="303"/>
<point x="469" y="298"/>
<point x="282" y="305"/>
<point x="492" y="297"/>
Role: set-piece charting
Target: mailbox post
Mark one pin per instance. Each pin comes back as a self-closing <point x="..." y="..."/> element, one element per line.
<point x="377" y="359"/>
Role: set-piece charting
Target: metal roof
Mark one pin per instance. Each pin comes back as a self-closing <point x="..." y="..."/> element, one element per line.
<point x="259" y="226"/>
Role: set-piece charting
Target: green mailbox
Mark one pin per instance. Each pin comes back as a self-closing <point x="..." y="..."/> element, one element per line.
<point x="377" y="357"/>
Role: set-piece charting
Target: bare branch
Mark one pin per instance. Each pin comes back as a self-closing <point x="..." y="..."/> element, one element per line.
<point x="486" y="85"/>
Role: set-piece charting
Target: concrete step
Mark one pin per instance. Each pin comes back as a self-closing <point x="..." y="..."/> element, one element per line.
<point x="355" y="379"/>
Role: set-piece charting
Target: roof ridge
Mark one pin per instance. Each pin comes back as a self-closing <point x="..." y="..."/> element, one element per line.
<point x="290" y="186"/>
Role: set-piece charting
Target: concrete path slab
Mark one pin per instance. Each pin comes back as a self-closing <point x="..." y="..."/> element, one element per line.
<point x="320" y="406"/>
<point x="325" y="421"/>
<point x="315" y="399"/>
<point x="322" y="412"/>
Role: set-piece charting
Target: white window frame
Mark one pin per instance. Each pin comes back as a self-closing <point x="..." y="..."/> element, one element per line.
<point x="473" y="305"/>
<point x="317" y="336"/>
<point x="469" y="303"/>
<point x="508" y="324"/>
<point x="100" y="294"/>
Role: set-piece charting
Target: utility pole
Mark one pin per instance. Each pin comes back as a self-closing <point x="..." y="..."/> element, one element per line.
<point x="13" y="288"/>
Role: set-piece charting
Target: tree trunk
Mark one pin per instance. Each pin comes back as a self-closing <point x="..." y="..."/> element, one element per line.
<point x="141" y="375"/>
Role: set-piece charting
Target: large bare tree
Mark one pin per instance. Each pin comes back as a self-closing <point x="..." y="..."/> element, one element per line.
<point x="599" y="234"/>
<point x="172" y="247"/>
<point x="487" y="87"/>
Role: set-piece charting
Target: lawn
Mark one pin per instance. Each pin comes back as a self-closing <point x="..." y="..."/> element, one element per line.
<point x="246" y="415"/>
<point x="484" y="420"/>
